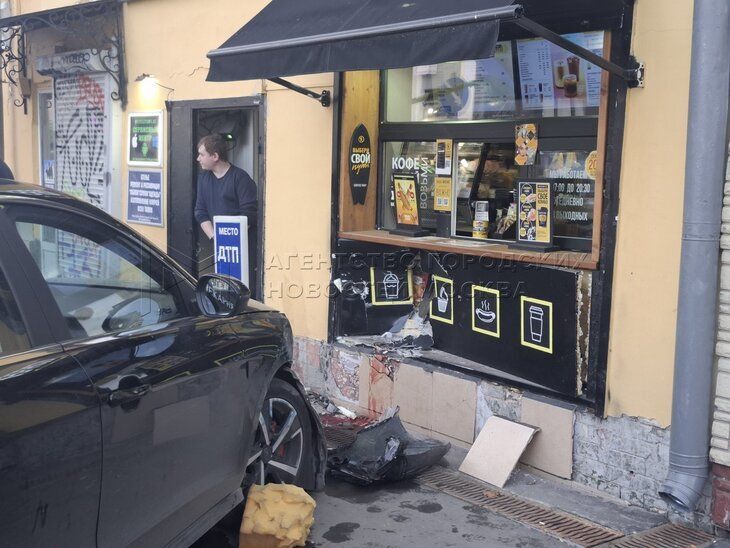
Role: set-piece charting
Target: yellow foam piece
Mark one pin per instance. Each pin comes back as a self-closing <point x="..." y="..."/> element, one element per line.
<point x="276" y="516"/>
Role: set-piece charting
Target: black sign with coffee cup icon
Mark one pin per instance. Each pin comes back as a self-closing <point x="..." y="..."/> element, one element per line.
<point x="485" y="310"/>
<point x="359" y="164"/>
<point x="390" y="287"/>
<point x="536" y="324"/>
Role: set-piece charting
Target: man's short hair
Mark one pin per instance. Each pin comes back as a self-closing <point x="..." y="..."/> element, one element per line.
<point x="215" y="144"/>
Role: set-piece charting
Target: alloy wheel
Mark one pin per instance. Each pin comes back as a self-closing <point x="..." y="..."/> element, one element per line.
<point x="278" y="448"/>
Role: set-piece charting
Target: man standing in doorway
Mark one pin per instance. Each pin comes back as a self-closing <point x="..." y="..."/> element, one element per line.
<point x="224" y="189"/>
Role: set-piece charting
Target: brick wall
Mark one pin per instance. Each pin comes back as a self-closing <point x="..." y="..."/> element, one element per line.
<point x="720" y="444"/>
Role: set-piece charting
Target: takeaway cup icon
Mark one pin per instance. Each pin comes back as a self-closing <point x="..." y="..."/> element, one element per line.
<point x="392" y="286"/>
<point x="443" y="300"/>
<point x="536" y="323"/>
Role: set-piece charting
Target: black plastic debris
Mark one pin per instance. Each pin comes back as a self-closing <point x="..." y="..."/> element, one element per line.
<point x="384" y="452"/>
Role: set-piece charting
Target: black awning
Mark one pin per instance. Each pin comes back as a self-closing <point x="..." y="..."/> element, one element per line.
<point x="290" y="37"/>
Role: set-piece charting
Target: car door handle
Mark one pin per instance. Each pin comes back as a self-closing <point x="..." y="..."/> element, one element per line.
<point x="128" y="395"/>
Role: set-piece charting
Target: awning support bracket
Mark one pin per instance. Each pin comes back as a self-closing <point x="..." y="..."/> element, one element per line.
<point x="324" y="98"/>
<point x="634" y="76"/>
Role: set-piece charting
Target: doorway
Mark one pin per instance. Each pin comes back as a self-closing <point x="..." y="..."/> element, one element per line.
<point x="241" y="123"/>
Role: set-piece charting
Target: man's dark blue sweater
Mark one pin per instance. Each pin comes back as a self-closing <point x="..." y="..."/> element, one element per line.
<point x="232" y="194"/>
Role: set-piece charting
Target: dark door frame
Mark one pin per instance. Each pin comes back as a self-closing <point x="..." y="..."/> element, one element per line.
<point x="180" y="228"/>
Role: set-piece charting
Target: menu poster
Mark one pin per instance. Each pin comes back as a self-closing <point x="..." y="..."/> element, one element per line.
<point x="525" y="144"/>
<point x="535" y="213"/>
<point x="442" y="194"/>
<point x="406" y="205"/>
<point x="493" y="84"/>
<point x="553" y="78"/>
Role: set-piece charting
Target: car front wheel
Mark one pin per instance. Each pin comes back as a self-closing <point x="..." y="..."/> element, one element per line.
<point x="282" y="448"/>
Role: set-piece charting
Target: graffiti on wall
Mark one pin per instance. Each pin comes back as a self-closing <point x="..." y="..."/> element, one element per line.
<point x="82" y="137"/>
<point x="82" y="130"/>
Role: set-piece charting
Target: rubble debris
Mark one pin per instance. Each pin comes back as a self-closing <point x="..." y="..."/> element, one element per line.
<point x="276" y="516"/>
<point x="384" y="452"/>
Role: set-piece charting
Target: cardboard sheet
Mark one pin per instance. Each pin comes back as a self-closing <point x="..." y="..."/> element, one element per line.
<point x="496" y="450"/>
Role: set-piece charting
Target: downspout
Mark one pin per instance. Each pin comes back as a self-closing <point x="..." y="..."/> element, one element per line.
<point x="698" y="275"/>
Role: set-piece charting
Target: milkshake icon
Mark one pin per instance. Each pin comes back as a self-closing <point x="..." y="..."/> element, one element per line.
<point x="443" y="300"/>
<point x="392" y="286"/>
<point x="536" y="323"/>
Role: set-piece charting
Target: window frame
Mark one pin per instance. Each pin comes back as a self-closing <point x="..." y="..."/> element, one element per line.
<point x="37" y="285"/>
<point x="558" y="131"/>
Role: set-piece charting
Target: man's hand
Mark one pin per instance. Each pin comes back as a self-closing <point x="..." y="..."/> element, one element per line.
<point x="207" y="227"/>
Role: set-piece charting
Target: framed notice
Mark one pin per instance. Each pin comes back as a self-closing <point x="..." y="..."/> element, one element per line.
<point x="144" y="197"/>
<point x="535" y="215"/>
<point x="145" y="139"/>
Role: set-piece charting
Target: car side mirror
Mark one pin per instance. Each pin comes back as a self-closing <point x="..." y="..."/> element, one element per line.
<point x="221" y="296"/>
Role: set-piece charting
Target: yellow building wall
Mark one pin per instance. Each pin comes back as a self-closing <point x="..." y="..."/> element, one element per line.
<point x="644" y="310"/>
<point x="170" y="39"/>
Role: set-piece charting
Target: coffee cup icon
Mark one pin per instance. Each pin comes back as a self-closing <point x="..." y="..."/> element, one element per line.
<point x="536" y="323"/>
<point x="391" y="284"/>
<point x="442" y="302"/>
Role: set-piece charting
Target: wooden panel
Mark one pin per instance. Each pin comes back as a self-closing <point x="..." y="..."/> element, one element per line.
<point x="565" y="259"/>
<point x="360" y="91"/>
<point x="601" y="152"/>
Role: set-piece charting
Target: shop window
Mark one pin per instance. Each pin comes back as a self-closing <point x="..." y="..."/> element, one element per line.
<point x="479" y="106"/>
<point x="529" y="78"/>
<point x="416" y="158"/>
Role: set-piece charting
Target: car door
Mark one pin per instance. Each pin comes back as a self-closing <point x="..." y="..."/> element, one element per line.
<point x="171" y="395"/>
<point x="50" y="428"/>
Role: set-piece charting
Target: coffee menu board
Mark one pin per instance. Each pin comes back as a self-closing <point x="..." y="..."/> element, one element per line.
<point x="553" y="78"/>
<point x="534" y="212"/>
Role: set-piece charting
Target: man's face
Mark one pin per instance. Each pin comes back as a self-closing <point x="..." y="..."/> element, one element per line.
<point x="206" y="160"/>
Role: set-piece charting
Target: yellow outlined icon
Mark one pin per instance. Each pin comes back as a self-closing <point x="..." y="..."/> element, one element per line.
<point x="539" y="316"/>
<point x="485" y="310"/>
<point x="443" y="296"/>
<point x="390" y="285"/>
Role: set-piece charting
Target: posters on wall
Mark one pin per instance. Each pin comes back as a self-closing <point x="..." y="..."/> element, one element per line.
<point x="525" y="144"/>
<point x="551" y="77"/>
<point x="145" y="139"/>
<point x="144" y="197"/>
<point x="535" y="212"/>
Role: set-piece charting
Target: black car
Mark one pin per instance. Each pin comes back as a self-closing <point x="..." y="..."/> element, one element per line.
<point x="136" y="405"/>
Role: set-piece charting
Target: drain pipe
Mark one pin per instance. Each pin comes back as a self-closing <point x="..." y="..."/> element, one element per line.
<point x="698" y="277"/>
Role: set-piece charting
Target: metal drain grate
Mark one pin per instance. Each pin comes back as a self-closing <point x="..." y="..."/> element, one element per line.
<point x="665" y="536"/>
<point x="337" y="437"/>
<point x="555" y="523"/>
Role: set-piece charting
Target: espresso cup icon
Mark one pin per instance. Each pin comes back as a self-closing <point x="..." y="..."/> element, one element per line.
<point x="536" y="323"/>
<point x="442" y="302"/>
